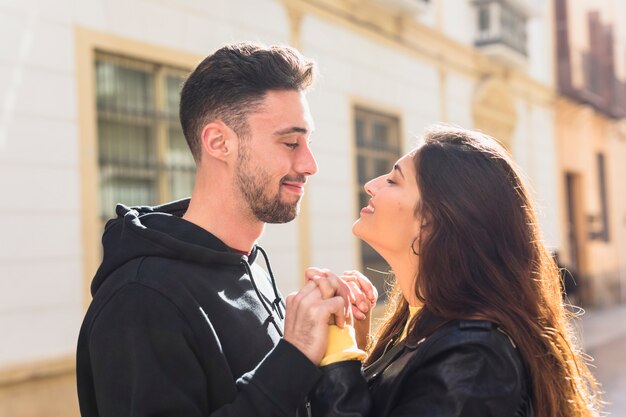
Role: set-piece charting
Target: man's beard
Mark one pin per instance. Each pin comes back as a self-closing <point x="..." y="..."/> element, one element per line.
<point x="253" y="186"/>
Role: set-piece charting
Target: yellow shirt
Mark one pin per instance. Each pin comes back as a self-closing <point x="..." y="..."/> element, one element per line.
<point x="412" y="312"/>
<point x="342" y="342"/>
<point x="342" y="346"/>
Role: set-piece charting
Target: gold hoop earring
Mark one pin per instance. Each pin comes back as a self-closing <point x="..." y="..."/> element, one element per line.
<point x="413" y="249"/>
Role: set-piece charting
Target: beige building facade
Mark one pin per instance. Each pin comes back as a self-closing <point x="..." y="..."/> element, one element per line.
<point x="88" y="118"/>
<point x="591" y="139"/>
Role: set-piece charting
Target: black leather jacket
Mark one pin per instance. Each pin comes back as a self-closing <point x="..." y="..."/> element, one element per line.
<point x="467" y="368"/>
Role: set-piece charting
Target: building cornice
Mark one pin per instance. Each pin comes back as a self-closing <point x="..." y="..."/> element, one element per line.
<point x="427" y="44"/>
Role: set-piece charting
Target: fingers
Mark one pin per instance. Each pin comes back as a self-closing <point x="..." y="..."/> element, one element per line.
<point x="295" y="300"/>
<point x="364" y="283"/>
<point x="357" y="313"/>
<point x="328" y="287"/>
<point x="312" y="272"/>
<point x="306" y="320"/>
<point x="320" y="295"/>
<point x="360" y="305"/>
<point x="335" y="306"/>
<point x="357" y="291"/>
<point x="329" y="283"/>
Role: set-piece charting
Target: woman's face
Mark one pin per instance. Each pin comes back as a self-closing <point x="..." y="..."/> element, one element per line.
<point x="388" y="223"/>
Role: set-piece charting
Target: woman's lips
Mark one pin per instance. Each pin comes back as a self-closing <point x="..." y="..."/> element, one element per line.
<point x="369" y="209"/>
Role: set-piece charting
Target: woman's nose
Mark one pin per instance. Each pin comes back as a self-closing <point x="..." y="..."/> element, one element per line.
<point x="371" y="186"/>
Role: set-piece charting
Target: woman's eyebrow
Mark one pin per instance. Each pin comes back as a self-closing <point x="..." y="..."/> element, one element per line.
<point x="396" y="167"/>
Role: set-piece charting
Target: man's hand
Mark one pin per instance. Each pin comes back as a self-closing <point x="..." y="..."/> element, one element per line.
<point x="359" y="292"/>
<point x="331" y="285"/>
<point x="307" y="316"/>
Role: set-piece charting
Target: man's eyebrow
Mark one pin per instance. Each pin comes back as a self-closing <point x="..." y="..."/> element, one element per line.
<point x="397" y="168"/>
<point x="291" y="130"/>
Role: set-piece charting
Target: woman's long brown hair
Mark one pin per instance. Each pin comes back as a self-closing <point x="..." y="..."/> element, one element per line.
<point x="481" y="254"/>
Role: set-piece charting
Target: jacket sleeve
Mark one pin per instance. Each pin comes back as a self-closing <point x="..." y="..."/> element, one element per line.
<point x="143" y="363"/>
<point x="472" y="380"/>
<point x="341" y="392"/>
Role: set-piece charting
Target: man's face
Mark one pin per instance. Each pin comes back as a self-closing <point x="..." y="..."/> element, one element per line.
<point x="274" y="159"/>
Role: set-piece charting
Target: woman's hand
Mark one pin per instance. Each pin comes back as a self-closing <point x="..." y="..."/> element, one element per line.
<point x="363" y="299"/>
<point x="359" y="292"/>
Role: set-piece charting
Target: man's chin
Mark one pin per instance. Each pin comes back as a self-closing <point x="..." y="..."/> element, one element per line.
<point x="285" y="215"/>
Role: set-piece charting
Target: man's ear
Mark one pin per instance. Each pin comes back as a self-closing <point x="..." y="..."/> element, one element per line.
<point x="218" y="140"/>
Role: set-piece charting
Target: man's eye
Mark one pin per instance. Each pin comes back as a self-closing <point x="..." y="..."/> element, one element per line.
<point x="390" y="181"/>
<point x="292" y="145"/>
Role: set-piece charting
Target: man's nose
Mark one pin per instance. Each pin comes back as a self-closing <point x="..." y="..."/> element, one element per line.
<point x="306" y="163"/>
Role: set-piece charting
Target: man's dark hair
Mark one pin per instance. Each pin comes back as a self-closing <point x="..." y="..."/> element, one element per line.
<point x="232" y="82"/>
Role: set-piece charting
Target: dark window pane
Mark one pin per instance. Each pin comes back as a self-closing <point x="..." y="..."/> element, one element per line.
<point x="483" y="18"/>
<point x="381" y="133"/>
<point x="383" y="166"/>
<point x="362" y="170"/>
<point x="126" y="144"/>
<point x="359" y="129"/>
<point x="143" y="156"/>
<point x="122" y="89"/>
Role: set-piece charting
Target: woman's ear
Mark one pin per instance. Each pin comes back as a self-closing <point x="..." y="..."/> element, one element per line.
<point x="217" y="140"/>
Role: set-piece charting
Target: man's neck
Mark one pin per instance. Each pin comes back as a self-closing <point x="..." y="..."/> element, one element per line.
<point x="223" y="218"/>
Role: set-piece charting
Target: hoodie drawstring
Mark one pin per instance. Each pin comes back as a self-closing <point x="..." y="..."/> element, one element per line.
<point x="271" y="318"/>
<point x="278" y="301"/>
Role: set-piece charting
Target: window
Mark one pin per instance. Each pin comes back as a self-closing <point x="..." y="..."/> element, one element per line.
<point x="513" y="26"/>
<point x="142" y="154"/>
<point x="499" y="23"/>
<point x="483" y="19"/>
<point x="601" y="230"/>
<point x="378" y="148"/>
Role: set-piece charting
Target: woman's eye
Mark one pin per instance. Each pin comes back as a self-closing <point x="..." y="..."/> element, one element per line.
<point x="390" y="181"/>
<point x="292" y="145"/>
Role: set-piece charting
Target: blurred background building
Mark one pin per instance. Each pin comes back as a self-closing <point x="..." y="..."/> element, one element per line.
<point x="591" y="135"/>
<point x="88" y="118"/>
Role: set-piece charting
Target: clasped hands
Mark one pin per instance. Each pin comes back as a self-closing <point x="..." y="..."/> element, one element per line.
<point x="328" y="299"/>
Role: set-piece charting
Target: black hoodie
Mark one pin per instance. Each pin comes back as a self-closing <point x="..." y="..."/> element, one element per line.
<point x="181" y="325"/>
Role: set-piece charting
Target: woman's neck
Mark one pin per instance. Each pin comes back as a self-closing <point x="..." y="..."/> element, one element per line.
<point x="404" y="268"/>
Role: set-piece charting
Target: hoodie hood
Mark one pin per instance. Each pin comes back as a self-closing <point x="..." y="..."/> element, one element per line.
<point x="160" y="231"/>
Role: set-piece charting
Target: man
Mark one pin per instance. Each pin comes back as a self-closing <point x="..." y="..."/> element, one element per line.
<point x="182" y="322"/>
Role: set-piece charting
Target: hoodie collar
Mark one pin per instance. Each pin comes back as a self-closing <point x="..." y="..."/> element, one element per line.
<point x="160" y="231"/>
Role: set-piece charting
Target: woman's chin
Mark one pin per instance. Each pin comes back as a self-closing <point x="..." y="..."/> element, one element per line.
<point x="357" y="228"/>
<point x="360" y="231"/>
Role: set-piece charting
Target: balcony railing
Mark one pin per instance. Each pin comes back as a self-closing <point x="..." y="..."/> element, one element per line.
<point x="501" y="29"/>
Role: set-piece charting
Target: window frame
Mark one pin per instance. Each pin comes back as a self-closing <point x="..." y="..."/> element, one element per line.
<point x="157" y="118"/>
<point x="87" y="42"/>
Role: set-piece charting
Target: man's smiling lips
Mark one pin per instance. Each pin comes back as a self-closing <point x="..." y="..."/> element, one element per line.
<point x="294" y="187"/>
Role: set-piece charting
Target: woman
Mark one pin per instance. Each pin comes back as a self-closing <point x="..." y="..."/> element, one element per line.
<point x="477" y="326"/>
